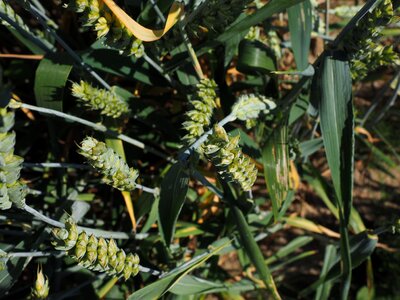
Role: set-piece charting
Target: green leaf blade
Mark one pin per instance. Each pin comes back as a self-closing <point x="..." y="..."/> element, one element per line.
<point x="172" y="197"/>
<point x="50" y="80"/>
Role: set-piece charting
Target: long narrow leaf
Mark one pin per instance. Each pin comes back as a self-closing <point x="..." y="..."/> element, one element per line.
<point x="162" y="285"/>
<point x="276" y="168"/>
<point x="50" y="80"/>
<point x="254" y="253"/>
<point x="173" y="193"/>
<point x="300" y="26"/>
<point x="337" y="126"/>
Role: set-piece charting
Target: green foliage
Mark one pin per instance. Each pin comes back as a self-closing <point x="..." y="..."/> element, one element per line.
<point x="229" y="92"/>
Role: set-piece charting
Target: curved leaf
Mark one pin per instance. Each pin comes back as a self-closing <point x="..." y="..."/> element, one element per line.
<point x="255" y="57"/>
<point x="141" y="32"/>
<point x="50" y="79"/>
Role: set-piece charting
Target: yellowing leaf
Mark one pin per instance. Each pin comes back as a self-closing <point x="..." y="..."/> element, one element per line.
<point x="141" y="32"/>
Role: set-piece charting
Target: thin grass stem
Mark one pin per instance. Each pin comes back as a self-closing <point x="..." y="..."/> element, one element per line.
<point x="97" y="127"/>
<point x="37" y="14"/>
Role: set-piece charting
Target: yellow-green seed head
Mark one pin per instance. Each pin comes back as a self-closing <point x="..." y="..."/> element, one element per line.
<point x="97" y="254"/>
<point x="249" y="107"/>
<point x="107" y="102"/>
<point x="199" y="118"/>
<point x="231" y="164"/>
<point x="41" y="288"/>
<point x="115" y="170"/>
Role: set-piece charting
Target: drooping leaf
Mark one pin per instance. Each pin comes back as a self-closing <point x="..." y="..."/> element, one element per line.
<point x="50" y="79"/>
<point x="255" y="57"/>
<point x="13" y="269"/>
<point x="162" y="285"/>
<point x="311" y="146"/>
<point x="109" y="61"/>
<point x="337" y="126"/>
<point x="191" y="285"/>
<point x="294" y="245"/>
<point x="172" y="196"/>
<point x="141" y="32"/>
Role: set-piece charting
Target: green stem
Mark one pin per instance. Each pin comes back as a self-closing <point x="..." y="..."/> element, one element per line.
<point x="96" y="232"/>
<point x="97" y="127"/>
<point x="34" y="11"/>
<point x="192" y="53"/>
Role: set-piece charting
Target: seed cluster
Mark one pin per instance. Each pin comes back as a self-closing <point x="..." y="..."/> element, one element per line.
<point x="97" y="254"/>
<point x="199" y="117"/>
<point x="6" y="9"/>
<point x="115" y="170"/>
<point x="98" y="16"/>
<point x="223" y="151"/>
<point x="248" y="108"/>
<point x="41" y="289"/>
<point x="215" y="16"/>
<point x="363" y="46"/>
<point x="107" y="102"/>
<point x="12" y="191"/>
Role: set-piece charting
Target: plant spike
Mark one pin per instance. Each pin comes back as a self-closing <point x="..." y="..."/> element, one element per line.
<point x="223" y="151"/>
<point x="41" y="289"/>
<point x="106" y="101"/>
<point x="248" y="107"/>
<point x="362" y="46"/>
<point x="12" y="191"/>
<point x="97" y="254"/>
<point x="98" y="16"/>
<point x="215" y="16"/>
<point x="115" y="170"/>
<point x="199" y="118"/>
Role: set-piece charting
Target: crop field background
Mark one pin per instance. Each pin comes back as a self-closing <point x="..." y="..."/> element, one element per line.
<point x="202" y="149"/>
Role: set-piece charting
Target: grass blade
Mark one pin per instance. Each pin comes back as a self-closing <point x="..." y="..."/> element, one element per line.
<point x="300" y="25"/>
<point x="276" y="168"/>
<point x="254" y="253"/>
<point x="162" y="285"/>
<point x="337" y="127"/>
<point x="324" y="289"/>
<point x="50" y="80"/>
<point x="172" y="196"/>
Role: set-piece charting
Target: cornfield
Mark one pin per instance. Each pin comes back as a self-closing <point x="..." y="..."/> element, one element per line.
<point x="200" y="149"/>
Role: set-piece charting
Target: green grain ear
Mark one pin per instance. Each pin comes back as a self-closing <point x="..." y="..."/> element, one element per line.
<point x="12" y="191"/>
<point x="41" y="288"/>
<point x="97" y="16"/>
<point x="199" y="118"/>
<point x="248" y="108"/>
<point x="97" y="254"/>
<point x="362" y="44"/>
<point x="231" y="164"/>
<point x="107" y="102"/>
<point x="115" y="170"/>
